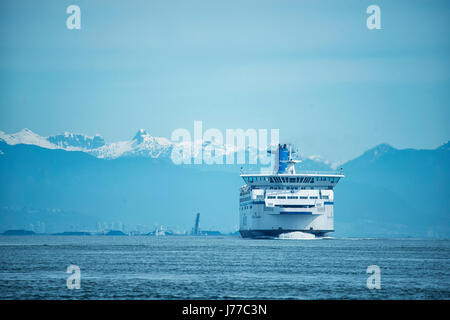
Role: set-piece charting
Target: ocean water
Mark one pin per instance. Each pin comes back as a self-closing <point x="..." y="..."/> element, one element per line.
<point x="34" y="267"/>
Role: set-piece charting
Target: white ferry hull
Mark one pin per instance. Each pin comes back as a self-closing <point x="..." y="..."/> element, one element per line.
<point x="266" y="219"/>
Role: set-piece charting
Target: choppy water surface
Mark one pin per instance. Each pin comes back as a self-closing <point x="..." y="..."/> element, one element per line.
<point x="34" y="267"/>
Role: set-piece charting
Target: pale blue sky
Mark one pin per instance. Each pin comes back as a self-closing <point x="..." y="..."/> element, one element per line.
<point x="310" y="68"/>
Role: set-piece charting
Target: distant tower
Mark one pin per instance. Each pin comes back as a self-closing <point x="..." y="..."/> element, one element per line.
<point x="196" y="229"/>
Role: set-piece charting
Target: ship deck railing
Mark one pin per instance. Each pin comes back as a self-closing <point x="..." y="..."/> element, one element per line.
<point x="297" y="173"/>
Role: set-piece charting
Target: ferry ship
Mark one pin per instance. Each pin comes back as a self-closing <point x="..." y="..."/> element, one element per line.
<point x="284" y="201"/>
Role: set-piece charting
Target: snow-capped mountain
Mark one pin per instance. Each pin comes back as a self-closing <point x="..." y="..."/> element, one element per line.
<point x="26" y="136"/>
<point x="67" y="141"/>
<point x="143" y="144"/>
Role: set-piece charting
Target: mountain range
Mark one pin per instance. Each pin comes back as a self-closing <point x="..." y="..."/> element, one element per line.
<point x="141" y="145"/>
<point x="74" y="181"/>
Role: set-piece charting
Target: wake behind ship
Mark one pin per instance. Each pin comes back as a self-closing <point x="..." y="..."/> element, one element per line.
<point x="284" y="201"/>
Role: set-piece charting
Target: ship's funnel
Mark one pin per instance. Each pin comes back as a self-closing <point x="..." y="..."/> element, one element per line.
<point x="283" y="157"/>
<point x="284" y="161"/>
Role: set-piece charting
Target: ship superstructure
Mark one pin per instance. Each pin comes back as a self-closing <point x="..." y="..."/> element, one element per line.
<point x="286" y="201"/>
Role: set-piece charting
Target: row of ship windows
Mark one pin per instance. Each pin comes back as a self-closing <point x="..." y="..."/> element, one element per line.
<point x="246" y="207"/>
<point x="290" y="188"/>
<point x="291" y="180"/>
<point x="279" y="197"/>
<point x="297" y="197"/>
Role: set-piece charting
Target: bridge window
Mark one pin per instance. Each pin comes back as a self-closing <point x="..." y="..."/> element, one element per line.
<point x="281" y="197"/>
<point x="313" y="197"/>
<point x="271" y="197"/>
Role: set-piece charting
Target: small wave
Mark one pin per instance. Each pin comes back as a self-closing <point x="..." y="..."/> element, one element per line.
<point x="297" y="235"/>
